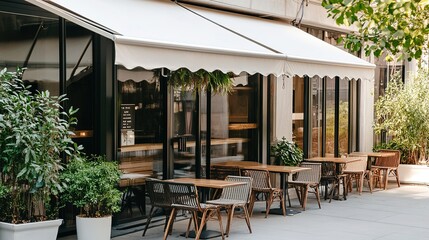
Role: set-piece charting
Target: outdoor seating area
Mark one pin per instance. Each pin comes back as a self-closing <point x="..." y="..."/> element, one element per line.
<point x="240" y="195"/>
<point x="366" y="216"/>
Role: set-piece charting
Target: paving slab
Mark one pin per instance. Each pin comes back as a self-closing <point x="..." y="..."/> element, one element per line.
<point x="397" y="213"/>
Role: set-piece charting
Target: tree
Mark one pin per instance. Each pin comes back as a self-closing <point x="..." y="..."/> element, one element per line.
<point x="399" y="28"/>
<point x="403" y="113"/>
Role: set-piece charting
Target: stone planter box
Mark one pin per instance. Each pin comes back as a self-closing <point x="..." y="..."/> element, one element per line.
<point x="417" y="174"/>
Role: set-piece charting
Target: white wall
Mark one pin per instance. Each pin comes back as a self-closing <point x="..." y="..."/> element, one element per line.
<point x="282" y="120"/>
<point x="366" y="116"/>
<point x="287" y="10"/>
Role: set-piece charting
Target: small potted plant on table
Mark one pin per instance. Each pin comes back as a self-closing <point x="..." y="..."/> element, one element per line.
<point x="286" y="153"/>
<point x="91" y="187"/>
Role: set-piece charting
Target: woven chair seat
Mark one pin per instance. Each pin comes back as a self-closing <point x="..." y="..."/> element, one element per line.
<point x="157" y="192"/>
<point x="386" y="166"/>
<point x="235" y="197"/>
<point x="227" y="202"/>
<point x="184" y="196"/>
<point x="307" y="179"/>
<point x="261" y="183"/>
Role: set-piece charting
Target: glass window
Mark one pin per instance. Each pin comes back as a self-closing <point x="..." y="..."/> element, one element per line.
<point x="80" y="83"/>
<point x="234" y="119"/>
<point x="140" y="136"/>
<point x="343" y="139"/>
<point x="298" y="111"/>
<point x="330" y="117"/>
<point x="316" y="116"/>
<point x="31" y="42"/>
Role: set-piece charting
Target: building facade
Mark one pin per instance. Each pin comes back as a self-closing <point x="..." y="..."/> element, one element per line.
<point x="128" y="112"/>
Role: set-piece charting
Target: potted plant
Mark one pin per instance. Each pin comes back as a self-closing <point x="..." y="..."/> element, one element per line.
<point x="34" y="132"/>
<point x="91" y="187"/>
<point x="286" y="153"/>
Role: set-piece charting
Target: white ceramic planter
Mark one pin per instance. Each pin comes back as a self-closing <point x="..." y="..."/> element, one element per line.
<point x="93" y="228"/>
<point x="418" y="174"/>
<point x="46" y="230"/>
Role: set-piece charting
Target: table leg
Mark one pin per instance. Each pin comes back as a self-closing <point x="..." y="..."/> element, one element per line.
<point x="285" y="188"/>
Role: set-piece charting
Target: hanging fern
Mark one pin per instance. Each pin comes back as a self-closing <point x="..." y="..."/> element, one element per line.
<point x="217" y="82"/>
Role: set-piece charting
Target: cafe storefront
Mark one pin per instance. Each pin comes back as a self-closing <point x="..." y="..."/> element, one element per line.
<point x="114" y="67"/>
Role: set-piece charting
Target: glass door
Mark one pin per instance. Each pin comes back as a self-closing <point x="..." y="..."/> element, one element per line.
<point x="185" y="127"/>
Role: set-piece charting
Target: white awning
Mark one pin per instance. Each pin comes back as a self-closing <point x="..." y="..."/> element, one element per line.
<point x="159" y="33"/>
<point x="306" y="54"/>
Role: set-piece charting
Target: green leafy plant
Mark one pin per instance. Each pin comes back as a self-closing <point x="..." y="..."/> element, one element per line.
<point x="398" y="28"/>
<point x="217" y="81"/>
<point x="34" y="132"/>
<point x="91" y="186"/>
<point x="403" y="114"/>
<point x="286" y="153"/>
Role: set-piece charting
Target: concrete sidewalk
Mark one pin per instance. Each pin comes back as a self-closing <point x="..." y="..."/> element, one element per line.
<point x="398" y="213"/>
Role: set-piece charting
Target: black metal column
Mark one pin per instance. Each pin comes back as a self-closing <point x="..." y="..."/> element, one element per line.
<point x="307" y="117"/>
<point x="337" y="118"/>
<point x="104" y="75"/>
<point x="208" y="133"/>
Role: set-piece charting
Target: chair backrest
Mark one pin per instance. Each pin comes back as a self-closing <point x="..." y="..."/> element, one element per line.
<point x="183" y="195"/>
<point x="260" y="179"/>
<point x="221" y="172"/>
<point x="389" y="161"/>
<point x="239" y="192"/>
<point x="328" y="170"/>
<point x="157" y="191"/>
<point x="360" y="165"/>
<point x="312" y="175"/>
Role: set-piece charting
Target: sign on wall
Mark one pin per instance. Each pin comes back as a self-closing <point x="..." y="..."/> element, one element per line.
<point x="127" y="124"/>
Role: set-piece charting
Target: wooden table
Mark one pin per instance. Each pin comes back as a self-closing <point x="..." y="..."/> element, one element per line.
<point x="374" y="154"/>
<point x="238" y="164"/>
<point x="206" y="183"/>
<point x="284" y="172"/>
<point x="339" y="162"/>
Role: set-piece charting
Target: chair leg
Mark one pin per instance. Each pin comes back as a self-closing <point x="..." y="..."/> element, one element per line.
<point x="219" y="217"/>
<point x="269" y="201"/>
<point x="194" y="218"/>
<point x="360" y="183"/>
<point x="386" y="178"/>
<point x="170" y="221"/>
<point x="298" y="194"/>
<point x="230" y="216"/>
<point x="304" y="197"/>
<point x="247" y="217"/>
<point x="252" y="203"/>
<point x="344" y="187"/>
<point x="282" y="203"/>
<point x="395" y="171"/>
<point x="316" y="191"/>
<point x="148" y="220"/>
<point x="200" y="228"/>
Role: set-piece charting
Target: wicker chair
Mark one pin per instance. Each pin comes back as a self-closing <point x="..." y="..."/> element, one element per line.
<point x="235" y="197"/>
<point x="156" y="190"/>
<point x="220" y="173"/>
<point x="329" y="172"/>
<point x="358" y="171"/>
<point x="306" y="180"/>
<point x="261" y="183"/>
<point x="184" y="196"/>
<point x="386" y="166"/>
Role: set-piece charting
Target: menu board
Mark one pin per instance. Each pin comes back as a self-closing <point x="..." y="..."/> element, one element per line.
<point x="127" y="124"/>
